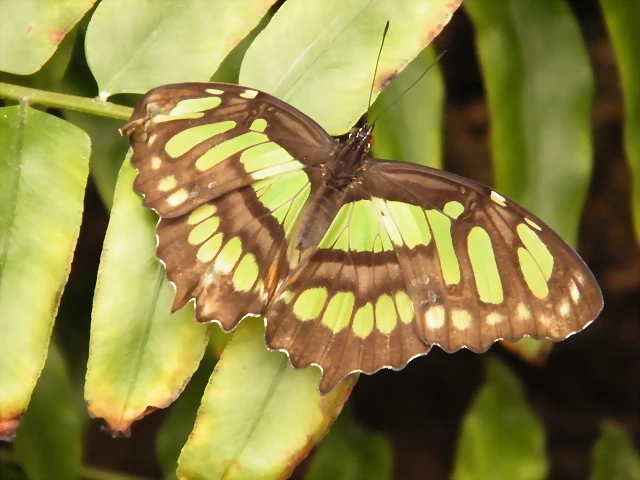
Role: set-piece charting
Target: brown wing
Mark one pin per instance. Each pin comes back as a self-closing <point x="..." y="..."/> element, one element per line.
<point x="193" y="142"/>
<point x="478" y="266"/>
<point x="345" y="306"/>
<point x="419" y="257"/>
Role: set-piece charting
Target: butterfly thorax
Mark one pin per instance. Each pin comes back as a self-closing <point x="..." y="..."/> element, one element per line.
<point x="339" y="175"/>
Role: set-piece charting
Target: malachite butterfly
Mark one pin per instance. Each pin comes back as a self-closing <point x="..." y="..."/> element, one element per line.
<point x="356" y="263"/>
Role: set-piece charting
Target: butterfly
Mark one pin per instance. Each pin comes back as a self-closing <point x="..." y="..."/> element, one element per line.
<point x="356" y="263"/>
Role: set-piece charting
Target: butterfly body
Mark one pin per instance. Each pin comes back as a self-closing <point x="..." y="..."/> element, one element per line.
<point x="356" y="263"/>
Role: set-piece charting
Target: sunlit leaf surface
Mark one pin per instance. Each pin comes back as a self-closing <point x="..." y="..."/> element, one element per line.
<point x="31" y="30"/>
<point x="44" y="163"/>
<point x="258" y="417"/>
<point x="141" y="355"/>
<point x="310" y="49"/>
<point x="164" y="41"/>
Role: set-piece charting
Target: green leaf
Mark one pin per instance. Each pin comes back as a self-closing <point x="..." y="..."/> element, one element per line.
<point x="501" y="438"/>
<point x="175" y="428"/>
<point x="141" y="355"/>
<point x="348" y="452"/>
<point x="49" y="443"/>
<point x="320" y="56"/>
<point x="614" y="457"/>
<point x="411" y="130"/>
<point x="540" y="127"/>
<point x="31" y="30"/>
<point x="258" y="416"/>
<point x="135" y="46"/>
<point x="50" y="76"/>
<point x="622" y="18"/>
<point x="44" y="164"/>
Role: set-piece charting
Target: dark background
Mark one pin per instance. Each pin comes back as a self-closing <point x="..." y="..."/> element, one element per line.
<point x="592" y="376"/>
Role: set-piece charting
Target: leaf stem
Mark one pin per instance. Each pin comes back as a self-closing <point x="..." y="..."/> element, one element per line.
<point x="64" y="101"/>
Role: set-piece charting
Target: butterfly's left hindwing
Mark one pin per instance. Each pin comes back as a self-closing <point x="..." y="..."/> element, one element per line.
<point x="230" y="252"/>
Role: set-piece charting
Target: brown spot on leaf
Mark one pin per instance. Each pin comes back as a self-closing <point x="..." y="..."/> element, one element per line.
<point x="387" y="80"/>
<point x="30" y="28"/>
<point x="330" y="406"/>
<point x="56" y="36"/>
<point x="8" y="428"/>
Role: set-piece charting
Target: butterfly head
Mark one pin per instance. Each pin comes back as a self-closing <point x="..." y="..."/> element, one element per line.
<point x="361" y="139"/>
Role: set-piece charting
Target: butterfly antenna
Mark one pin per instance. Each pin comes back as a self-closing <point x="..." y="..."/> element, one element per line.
<point x="375" y="72"/>
<point x="410" y="87"/>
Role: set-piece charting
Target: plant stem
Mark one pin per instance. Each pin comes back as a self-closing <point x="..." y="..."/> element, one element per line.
<point x="65" y="102"/>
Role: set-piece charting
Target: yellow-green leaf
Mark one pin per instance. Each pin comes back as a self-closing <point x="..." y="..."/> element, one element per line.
<point x="141" y="355"/>
<point x="44" y="163"/>
<point x="133" y="46"/>
<point x="258" y="416"/>
<point x="320" y="56"/>
<point x="31" y="30"/>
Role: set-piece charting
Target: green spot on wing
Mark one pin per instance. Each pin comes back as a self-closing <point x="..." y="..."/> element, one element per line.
<point x="339" y="311"/>
<point x="363" y="227"/>
<point x="203" y="231"/>
<point x="441" y="227"/>
<point x="228" y="148"/>
<point x="264" y="156"/>
<point x="405" y="307"/>
<point x="485" y="269"/>
<point x="185" y="140"/>
<point x="453" y="209"/>
<point x="532" y="274"/>
<point x="386" y="317"/>
<point x="228" y="256"/>
<point x="411" y="223"/>
<point x="246" y="274"/>
<point x="537" y="249"/>
<point x="258" y="125"/>
<point x="193" y="105"/>
<point x="284" y="196"/>
<point x="336" y="236"/>
<point x="363" y="321"/>
<point x="310" y="303"/>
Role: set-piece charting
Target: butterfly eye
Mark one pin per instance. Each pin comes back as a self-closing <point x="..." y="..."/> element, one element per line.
<point x="372" y="140"/>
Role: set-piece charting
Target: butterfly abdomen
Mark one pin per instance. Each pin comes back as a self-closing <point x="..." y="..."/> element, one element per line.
<point x="322" y="209"/>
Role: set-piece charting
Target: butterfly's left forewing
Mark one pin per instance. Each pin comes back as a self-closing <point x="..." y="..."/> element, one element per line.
<point x="193" y="142"/>
<point x="228" y="169"/>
